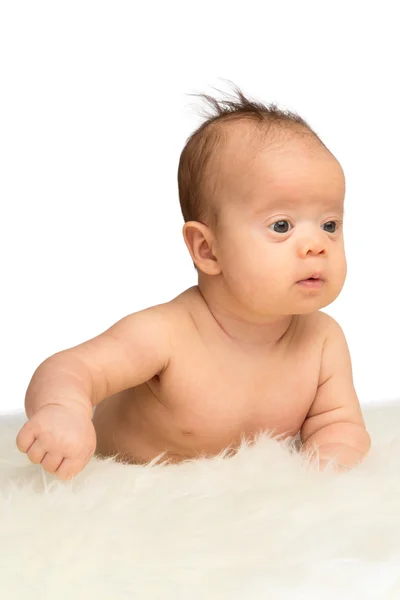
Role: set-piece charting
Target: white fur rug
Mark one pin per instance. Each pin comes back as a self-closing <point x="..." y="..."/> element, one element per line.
<point x="259" y="525"/>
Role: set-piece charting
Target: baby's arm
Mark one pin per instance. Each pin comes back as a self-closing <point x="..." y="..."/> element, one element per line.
<point x="335" y="425"/>
<point x="127" y="354"/>
<point x="64" y="388"/>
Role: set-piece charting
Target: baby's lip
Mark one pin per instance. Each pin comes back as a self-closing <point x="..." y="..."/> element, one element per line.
<point x="315" y="275"/>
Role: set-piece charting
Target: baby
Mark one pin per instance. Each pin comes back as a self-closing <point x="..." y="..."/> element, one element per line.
<point x="247" y="349"/>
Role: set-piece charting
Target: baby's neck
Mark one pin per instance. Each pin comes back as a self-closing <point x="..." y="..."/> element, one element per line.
<point x="245" y="330"/>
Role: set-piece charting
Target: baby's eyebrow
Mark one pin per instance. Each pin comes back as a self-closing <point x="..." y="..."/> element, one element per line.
<point x="327" y="205"/>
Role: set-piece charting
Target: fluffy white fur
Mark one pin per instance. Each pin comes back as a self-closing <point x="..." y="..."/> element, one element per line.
<point x="262" y="524"/>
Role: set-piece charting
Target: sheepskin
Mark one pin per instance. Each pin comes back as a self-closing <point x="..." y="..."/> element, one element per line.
<point x="262" y="524"/>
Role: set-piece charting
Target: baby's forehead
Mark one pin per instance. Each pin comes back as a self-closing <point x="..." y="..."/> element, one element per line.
<point x="248" y="135"/>
<point x="248" y="147"/>
<point x="290" y="169"/>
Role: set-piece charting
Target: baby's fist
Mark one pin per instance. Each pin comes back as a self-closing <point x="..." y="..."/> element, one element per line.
<point x="60" y="439"/>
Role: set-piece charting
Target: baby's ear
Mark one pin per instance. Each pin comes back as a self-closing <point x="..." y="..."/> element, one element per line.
<point x="200" y="241"/>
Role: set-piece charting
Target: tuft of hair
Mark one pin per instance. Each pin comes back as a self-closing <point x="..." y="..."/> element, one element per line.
<point x="199" y="159"/>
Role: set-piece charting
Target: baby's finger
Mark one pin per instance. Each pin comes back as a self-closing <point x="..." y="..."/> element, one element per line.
<point x="25" y="438"/>
<point x="69" y="468"/>
<point x="36" y="452"/>
<point x="51" y="461"/>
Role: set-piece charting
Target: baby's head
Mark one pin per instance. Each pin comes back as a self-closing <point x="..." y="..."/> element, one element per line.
<point x="262" y="199"/>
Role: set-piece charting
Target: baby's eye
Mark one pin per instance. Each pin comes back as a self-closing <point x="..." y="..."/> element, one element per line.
<point x="283" y="226"/>
<point x="335" y="224"/>
<point x="279" y="225"/>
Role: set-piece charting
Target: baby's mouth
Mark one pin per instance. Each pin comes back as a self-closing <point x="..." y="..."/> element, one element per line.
<point x="311" y="282"/>
<point x="314" y="277"/>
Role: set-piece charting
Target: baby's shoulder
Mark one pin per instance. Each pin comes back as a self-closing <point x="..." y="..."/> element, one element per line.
<point x="325" y="322"/>
<point x="180" y="308"/>
<point x="180" y="313"/>
<point x="314" y="326"/>
<point x="320" y="319"/>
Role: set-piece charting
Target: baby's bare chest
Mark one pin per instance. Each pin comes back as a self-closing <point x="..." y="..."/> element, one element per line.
<point x="210" y="398"/>
<point x="212" y="395"/>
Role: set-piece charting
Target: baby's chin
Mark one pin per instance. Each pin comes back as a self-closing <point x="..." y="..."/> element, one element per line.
<point x="306" y="304"/>
<point x="287" y="301"/>
<point x="313" y="304"/>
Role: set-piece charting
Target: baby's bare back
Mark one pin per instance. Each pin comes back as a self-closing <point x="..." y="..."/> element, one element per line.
<point x="212" y="393"/>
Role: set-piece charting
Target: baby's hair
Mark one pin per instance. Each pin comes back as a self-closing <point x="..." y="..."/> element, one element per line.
<point x="198" y="164"/>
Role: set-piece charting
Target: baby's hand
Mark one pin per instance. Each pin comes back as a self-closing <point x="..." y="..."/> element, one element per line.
<point x="60" y="439"/>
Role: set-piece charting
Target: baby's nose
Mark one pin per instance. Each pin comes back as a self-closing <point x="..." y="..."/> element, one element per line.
<point x="314" y="243"/>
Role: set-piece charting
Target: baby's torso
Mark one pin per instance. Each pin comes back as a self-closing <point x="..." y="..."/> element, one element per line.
<point x="212" y="393"/>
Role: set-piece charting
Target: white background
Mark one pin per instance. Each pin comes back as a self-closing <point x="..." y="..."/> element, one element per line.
<point x="94" y="112"/>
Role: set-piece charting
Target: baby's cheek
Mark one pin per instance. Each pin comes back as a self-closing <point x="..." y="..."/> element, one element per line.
<point x="339" y="274"/>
